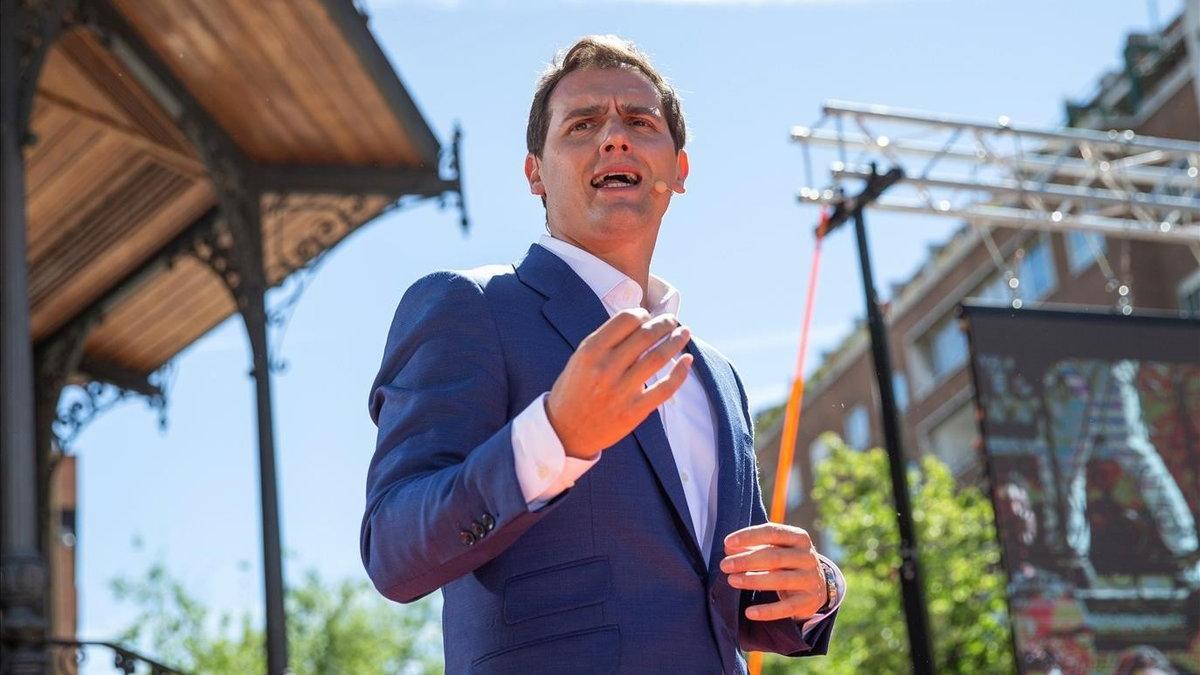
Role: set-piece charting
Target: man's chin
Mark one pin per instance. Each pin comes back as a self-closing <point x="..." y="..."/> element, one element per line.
<point x="623" y="214"/>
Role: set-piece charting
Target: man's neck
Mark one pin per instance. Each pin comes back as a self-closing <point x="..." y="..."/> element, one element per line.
<point x="631" y="259"/>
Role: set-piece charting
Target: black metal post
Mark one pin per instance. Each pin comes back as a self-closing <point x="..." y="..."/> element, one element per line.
<point x="912" y="588"/>
<point x="235" y="253"/>
<point x="23" y="573"/>
<point x="255" y="318"/>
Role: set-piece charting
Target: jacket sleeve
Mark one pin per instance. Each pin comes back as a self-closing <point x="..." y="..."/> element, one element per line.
<point x="442" y="491"/>
<point x="783" y="636"/>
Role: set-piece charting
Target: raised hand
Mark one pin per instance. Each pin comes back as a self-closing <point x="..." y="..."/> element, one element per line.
<point x="601" y="395"/>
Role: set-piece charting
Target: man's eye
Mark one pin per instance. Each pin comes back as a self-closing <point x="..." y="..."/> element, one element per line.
<point x="581" y="126"/>
<point x="638" y="122"/>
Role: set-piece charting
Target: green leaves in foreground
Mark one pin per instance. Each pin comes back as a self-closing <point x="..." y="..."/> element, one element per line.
<point x="343" y="627"/>
<point x="959" y="556"/>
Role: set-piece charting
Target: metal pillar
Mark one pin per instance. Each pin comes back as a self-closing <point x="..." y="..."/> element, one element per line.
<point x="26" y="32"/>
<point x="912" y="588"/>
<point x="255" y="318"/>
<point x="251" y="298"/>
<point x="235" y="253"/>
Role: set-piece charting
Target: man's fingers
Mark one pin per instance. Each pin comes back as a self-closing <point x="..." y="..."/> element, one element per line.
<point x="657" y="393"/>
<point x="656" y="358"/>
<point x="616" y="329"/>
<point x="635" y="344"/>
<point x="775" y="534"/>
<point x="799" y="605"/>
<point x="792" y="581"/>
<point x="771" y="558"/>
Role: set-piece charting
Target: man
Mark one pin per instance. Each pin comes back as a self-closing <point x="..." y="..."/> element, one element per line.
<point x="557" y="454"/>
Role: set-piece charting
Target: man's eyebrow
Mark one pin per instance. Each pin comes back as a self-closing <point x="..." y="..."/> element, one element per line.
<point x="625" y="108"/>
<point x="585" y="111"/>
<point x="637" y="109"/>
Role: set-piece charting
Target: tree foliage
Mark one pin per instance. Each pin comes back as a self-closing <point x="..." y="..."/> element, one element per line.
<point x="343" y="627"/>
<point x="959" y="557"/>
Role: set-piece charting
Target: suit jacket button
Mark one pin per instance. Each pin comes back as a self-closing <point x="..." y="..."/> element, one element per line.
<point x="477" y="530"/>
<point x="488" y="522"/>
<point x="466" y="537"/>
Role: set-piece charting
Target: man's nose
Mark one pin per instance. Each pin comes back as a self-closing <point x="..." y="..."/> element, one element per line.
<point x="615" y="139"/>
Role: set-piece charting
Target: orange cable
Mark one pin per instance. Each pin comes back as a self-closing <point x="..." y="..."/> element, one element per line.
<point x="795" y="404"/>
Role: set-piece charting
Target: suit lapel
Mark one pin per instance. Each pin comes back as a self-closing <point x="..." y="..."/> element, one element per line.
<point x="575" y="312"/>
<point x="722" y="393"/>
<point x="652" y="437"/>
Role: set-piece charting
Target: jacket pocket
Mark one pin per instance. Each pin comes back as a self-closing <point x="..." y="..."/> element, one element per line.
<point x="596" y="650"/>
<point x="564" y="587"/>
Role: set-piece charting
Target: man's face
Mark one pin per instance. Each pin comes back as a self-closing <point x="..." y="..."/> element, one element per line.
<point x="606" y="148"/>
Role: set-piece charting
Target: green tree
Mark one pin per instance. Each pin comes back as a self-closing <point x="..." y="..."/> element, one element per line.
<point x="964" y="587"/>
<point x="343" y="627"/>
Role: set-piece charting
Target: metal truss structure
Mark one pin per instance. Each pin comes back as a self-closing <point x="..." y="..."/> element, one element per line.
<point x="1115" y="182"/>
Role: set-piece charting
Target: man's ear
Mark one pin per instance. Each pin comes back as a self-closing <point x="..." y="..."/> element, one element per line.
<point x="533" y="172"/>
<point x="681" y="171"/>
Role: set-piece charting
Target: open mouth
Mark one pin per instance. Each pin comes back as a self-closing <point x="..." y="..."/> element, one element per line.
<point x="618" y="179"/>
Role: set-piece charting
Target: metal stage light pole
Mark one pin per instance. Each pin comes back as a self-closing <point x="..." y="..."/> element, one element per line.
<point x="915" y="613"/>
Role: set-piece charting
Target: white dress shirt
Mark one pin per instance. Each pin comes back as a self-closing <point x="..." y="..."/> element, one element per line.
<point x="543" y="468"/>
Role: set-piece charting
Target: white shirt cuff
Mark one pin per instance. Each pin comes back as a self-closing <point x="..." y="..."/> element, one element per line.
<point x="543" y="468"/>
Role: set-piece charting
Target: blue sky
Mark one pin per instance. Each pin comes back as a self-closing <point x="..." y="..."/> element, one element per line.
<point x="736" y="245"/>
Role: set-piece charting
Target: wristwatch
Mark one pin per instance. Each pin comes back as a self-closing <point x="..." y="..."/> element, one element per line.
<point x="831" y="591"/>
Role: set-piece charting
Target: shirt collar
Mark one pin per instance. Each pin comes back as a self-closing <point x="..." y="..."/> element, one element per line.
<point x="615" y="290"/>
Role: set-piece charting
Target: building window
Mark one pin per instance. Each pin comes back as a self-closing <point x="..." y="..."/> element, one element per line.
<point x="856" y="429"/>
<point x="953" y="439"/>
<point x="900" y="388"/>
<point x="66" y="527"/>
<point x="1082" y="249"/>
<point x="1036" y="272"/>
<point x="942" y="349"/>
<point x="1189" y="294"/>
<point x="818" y="452"/>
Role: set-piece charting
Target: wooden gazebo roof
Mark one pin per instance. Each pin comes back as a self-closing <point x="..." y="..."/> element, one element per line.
<point x="116" y="185"/>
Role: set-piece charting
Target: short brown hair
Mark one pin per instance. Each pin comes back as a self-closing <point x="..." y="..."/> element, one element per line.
<point x="599" y="51"/>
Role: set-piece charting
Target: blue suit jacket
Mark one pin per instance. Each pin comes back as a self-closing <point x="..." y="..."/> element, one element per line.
<point x="608" y="576"/>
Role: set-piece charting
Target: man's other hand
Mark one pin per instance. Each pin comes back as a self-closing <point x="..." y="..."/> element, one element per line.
<point x="601" y="395"/>
<point x="780" y="558"/>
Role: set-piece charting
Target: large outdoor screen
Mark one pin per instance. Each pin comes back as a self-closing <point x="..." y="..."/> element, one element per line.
<point x="1091" y="433"/>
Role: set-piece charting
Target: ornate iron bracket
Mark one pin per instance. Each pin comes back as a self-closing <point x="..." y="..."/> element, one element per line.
<point x="62" y="357"/>
<point x="55" y="362"/>
<point x="90" y="400"/>
<point x="296" y="267"/>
